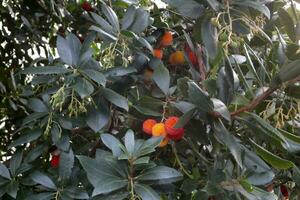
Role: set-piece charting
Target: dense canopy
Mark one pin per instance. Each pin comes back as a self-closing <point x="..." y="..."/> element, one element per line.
<point x="136" y="99"/>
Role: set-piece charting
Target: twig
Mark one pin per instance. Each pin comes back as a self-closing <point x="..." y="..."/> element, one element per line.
<point x="179" y="162"/>
<point x="255" y="101"/>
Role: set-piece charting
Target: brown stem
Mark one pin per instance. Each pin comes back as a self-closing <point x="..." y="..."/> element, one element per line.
<point x="255" y="101"/>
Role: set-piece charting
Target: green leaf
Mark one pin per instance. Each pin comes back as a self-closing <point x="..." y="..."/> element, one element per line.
<point x="111" y="16"/>
<point x="199" y="97"/>
<point x="129" y="141"/>
<point x="141" y="22"/>
<point x="15" y="162"/>
<point x="43" y="180"/>
<point x="267" y="127"/>
<point x="146" y="192"/>
<point x="45" y="70"/>
<point x="97" y="118"/>
<point x="255" y="5"/>
<point x="288" y="23"/>
<point x="27" y="137"/>
<point x="229" y="140"/>
<point x="115" y="98"/>
<point x="101" y="31"/>
<point x="35" y="152"/>
<point x="66" y="164"/>
<point x="119" y="71"/>
<point x="12" y="189"/>
<point x="96" y="76"/>
<point x="33" y="117"/>
<point x="148" y="146"/>
<point x="161" y="77"/>
<point x="4" y="171"/>
<point x="37" y="105"/>
<point x="114" y="196"/>
<point x="76" y="193"/>
<point x="272" y="159"/>
<point x="185" y="118"/>
<point x="112" y="143"/>
<point x="188" y="8"/>
<point x="147" y="111"/>
<point x="209" y="38"/>
<point x="142" y="160"/>
<point x="69" y="49"/>
<point x="290" y="136"/>
<point x="251" y="66"/>
<point x="160" y="174"/>
<point x="214" y="4"/>
<point x="105" y="26"/>
<point x="289" y="71"/>
<point x="129" y="17"/>
<point x="39" y="196"/>
<point x="83" y="87"/>
<point x="101" y="176"/>
<point x="221" y="108"/>
<point x="145" y="43"/>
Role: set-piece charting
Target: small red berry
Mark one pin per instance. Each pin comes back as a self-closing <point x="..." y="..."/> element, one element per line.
<point x="173" y="133"/>
<point x="86" y="6"/>
<point x="284" y="191"/>
<point x="55" y="161"/>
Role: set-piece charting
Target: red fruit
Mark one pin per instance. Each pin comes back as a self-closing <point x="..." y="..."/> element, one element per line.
<point x="284" y="191"/>
<point x="55" y="161"/>
<point x="173" y="133"/>
<point x="147" y="126"/>
<point x="86" y="6"/>
<point x="191" y="55"/>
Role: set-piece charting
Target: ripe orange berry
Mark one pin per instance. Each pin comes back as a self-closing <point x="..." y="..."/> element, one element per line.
<point x="173" y="133"/>
<point x="158" y="53"/>
<point x="164" y="142"/>
<point x="166" y="39"/>
<point x="176" y="58"/>
<point x="159" y="130"/>
<point x="147" y="126"/>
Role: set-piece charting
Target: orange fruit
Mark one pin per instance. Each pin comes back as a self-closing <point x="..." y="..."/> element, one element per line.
<point x="176" y="58"/>
<point x="164" y="142"/>
<point x="159" y="130"/>
<point x="158" y="53"/>
<point x="147" y="126"/>
<point x="166" y="39"/>
<point x="173" y="133"/>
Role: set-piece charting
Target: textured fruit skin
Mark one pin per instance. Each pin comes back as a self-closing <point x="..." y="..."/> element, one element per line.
<point x="55" y="161"/>
<point x="158" y="53"/>
<point x="173" y="133"/>
<point x="148" y="125"/>
<point x="159" y="130"/>
<point x="86" y="6"/>
<point x="284" y="191"/>
<point x="164" y="142"/>
<point x="177" y="58"/>
<point x="166" y="39"/>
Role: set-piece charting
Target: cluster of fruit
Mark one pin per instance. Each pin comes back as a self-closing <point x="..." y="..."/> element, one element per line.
<point x="165" y="129"/>
<point x="176" y="58"/>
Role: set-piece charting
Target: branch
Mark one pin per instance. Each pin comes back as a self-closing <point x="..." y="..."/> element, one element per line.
<point x="255" y="101"/>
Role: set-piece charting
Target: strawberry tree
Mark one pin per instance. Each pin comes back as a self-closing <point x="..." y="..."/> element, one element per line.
<point x="129" y="99"/>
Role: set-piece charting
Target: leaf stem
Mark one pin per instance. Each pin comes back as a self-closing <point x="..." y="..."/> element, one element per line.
<point x="179" y="162"/>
